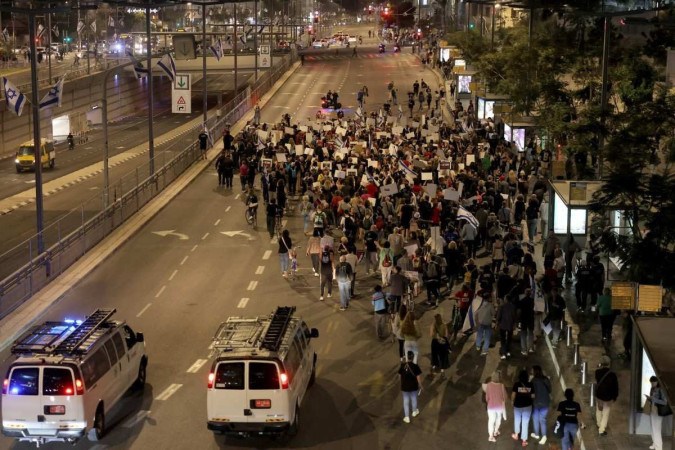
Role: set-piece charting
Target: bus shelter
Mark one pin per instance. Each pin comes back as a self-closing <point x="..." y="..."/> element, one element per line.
<point x="485" y="104"/>
<point x="568" y="211"/>
<point x="652" y="355"/>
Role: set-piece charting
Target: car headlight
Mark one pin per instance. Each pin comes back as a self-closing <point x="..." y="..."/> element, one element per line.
<point x="16" y="161"/>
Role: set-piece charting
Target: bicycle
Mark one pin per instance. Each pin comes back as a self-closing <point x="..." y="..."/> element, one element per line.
<point x="251" y="215"/>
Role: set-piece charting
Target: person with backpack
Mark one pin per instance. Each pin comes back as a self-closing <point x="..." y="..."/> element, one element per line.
<point x="411" y="386"/>
<point x="484" y="316"/>
<point x="540" y="406"/>
<point x="319" y="220"/>
<point x="606" y="393"/>
<point x="411" y="333"/>
<point x="220" y="168"/>
<point x="343" y="273"/>
<point x="568" y="420"/>
<point x="506" y="322"/>
<point x="386" y="261"/>
<point x="432" y="279"/>
<point x="326" y="271"/>
<point x="380" y="309"/>
<point x="243" y="174"/>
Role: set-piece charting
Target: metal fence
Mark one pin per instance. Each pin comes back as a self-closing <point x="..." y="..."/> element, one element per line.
<point x="74" y="234"/>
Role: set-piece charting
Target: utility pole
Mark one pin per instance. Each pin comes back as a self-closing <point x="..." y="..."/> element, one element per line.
<point x="255" y="36"/>
<point x="234" y="48"/>
<point x="204" y="101"/>
<point x="151" y="96"/>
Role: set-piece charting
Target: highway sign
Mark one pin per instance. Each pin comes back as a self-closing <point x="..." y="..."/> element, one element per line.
<point x="264" y="49"/>
<point x="181" y="94"/>
<point x="265" y="61"/>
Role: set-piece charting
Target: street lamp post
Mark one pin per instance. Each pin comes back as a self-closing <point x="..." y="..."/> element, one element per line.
<point x="35" y="109"/>
<point x="151" y="96"/>
<point x="204" y="92"/>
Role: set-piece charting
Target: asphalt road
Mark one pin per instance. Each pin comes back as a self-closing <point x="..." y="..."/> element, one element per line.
<point x="178" y="291"/>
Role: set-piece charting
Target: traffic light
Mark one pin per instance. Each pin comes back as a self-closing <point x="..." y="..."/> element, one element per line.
<point x="67" y="39"/>
<point x="472" y="26"/>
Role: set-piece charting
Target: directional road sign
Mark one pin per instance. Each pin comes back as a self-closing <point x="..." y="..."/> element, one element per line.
<point x="181" y="94"/>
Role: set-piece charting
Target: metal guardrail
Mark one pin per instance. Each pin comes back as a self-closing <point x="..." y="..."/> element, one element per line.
<point x="78" y="231"/>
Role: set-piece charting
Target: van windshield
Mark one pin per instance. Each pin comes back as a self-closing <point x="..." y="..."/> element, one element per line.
<point x="230" y="376"/>
<point x="57" y="381"/>
<point x="24" y="381"/>
<point x="26" y="151"/>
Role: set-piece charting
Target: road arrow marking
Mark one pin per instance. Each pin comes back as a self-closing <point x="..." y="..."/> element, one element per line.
<point x="165" y="233"/>
<point x="237" y="233"/>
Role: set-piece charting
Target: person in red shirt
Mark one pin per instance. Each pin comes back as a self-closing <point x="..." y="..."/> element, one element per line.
<point x="464" y="298"/>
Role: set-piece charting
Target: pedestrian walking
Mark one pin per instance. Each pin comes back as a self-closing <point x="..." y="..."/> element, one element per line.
<point x="411" y="333"/>
<point x="272" y="210"/>
<point x="432" y="279"/>
<point x="526" y="312"/>
<point x="314" y="251"/>
<point x="203" y="142"/>
<point x="398" y="287"/>
<point x="495" y="399"/>
<point x="326" y="271"/>
<point x="256" y="113"/>
<point x="522" y="396"/>
<point x="386" y="261"/>
<point x="606" y="314"/>
<point x="568" y="419"/>
<point x="380" y="309"/>
<point x="411" y="386"/>
<point x="606" y="393"/>
<point x="485" y="314"/>
<point x="343" y="273"/>
<point x="352" y="260"/>
<point x="541" y="385"/>
<point x="506" y="321"/>
<point x="659" y="408"/>
<point x="243" y="174"/>
<point x="220" y="168"/>
<point x="439" y="345"/>
<point x="285" y="246"/>
<point x="556" y="314"/>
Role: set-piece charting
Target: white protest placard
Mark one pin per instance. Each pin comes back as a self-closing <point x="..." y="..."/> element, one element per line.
<point x="303" y="128"/>
<point x="431" y="189"/>
<point x="426" y="176"/>
<point x="316" y="185"/>
<point x="309" y="151"/>
<point x="370" y="122"/>
<point x="341" y="131"/>
<point x="327" y="127"/>
<point x="353" y="161"/>
<point x="364" y="180"/>
<point x="325" y="152"/>
<point x="281" y="157"/>
<point x="372" y="201"/>
<point x="327" y="165"/>
<point x="299" y="149"/>
<point x="436" y="137"/>
<point x="263" y="134"/>
<point x="308" y="138"/>
<point x="388" y="189"/>
<point x="460" y="188"/>
<point x="392" y="149"/>
<point x="351" y="172"/>
<point x="410" y="135"/>
<point x="266" y="162"/>
<point x="451" y="195"/>
<point x="470" y="159"/>
<point x="289" y="130"/>
<point x="339" y="174"/>
<point x="288" y="147"/>
<point x="505" y="196"/>
<point x="460" y="166"/>
<point x="373" y="163"/>
<point x="397" y="130"/>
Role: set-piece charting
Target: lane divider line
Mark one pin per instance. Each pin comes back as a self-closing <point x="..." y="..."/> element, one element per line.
<point x="143" y="310"/>
<point x="168" y="392"/>
<point x="243" y="302"/>
<point x="217" y="222"/>
<point x="196" y="366"/>
<point x="228" y="209"/>
<point x="236" y="197"/>
<point x="173" y="274"/>
<point x="205" y="236"/>
<point x="267" y="254"/>
<point x="194" y="248"/>
<point x="259" y="270"/>
<point x="160" y="291"/>
<point x="185" y="258"/>
<point x="252" y="285"/>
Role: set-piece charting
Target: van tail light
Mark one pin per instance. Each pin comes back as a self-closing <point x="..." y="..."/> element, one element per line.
<point x="5" y="383"/>
<point x="211" y="378"/>
<point x="79" y="387"/>
<point x="284" y="381"/>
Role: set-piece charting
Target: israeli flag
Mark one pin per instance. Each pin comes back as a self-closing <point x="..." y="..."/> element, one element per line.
<point x="168" y="65"/>
<point x="54" y="96"/>
<point x="463" y="214"/>
<point x="80" y="27"/>
<point x="15" y="99"/>
<point x="217" y="49"/>
<point x="55" y="29"/>
<point x="247" y="32"/>
<point x="5" y="34"/>
<point x="111" y="22"/>
<point x="410" y="174"/>
<point x="40" y="31"/>
<point x="139" y="70"/>
<point x="470" y="319"/>
<point x="227" y="45"/>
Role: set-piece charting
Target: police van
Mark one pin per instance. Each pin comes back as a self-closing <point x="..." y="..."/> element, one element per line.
<point x="260" y="374"/>
<point x="68" y="375"/>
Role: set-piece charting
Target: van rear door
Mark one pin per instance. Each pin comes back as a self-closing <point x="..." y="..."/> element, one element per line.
<point x="21" y="402"/>
<point x="61" y="406"/>
<point x="226" y="400"/>
<point x="267" y="392"/>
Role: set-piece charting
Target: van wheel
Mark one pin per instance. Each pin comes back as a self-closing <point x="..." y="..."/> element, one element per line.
<point x="293" y="429"/>
<point x="98" y="431"/>
<point x="142" y="375"/>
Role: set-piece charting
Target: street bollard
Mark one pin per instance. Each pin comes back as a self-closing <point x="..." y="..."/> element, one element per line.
<point x="576" y="354"/>
<point x="583" y="372"/>
<point x="592" y="395"/>
<point x="569" y="335"/>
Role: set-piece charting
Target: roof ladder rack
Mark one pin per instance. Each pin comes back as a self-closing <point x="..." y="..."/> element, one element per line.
<point x="84" y="331"/>
<point x="277" y="328"/>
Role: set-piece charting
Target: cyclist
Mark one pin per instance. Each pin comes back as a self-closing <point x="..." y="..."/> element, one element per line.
<point x="252" y="204"/>
<point x="274" y="214"/>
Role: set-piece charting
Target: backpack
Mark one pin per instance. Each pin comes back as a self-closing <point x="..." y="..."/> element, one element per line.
<point x="318" y="220"/>
<point x="432" y="270"/>
<point x="467" y="277"/>
<point x="325" y="257"/>
<point x="387" y="261"/>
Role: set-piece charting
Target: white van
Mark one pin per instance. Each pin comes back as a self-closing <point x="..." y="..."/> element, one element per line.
<point x="260" y="374"/>
<point x="67" y="377"/>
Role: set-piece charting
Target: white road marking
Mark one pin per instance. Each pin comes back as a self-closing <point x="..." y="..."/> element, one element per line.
<point x="205" y="236"/>
<point x="173" y="274"/>
<point x="252" y="285"/>
<point x="259" y="270"/>
<point x="185" y="258"/>
<point x="228" y="209"/>
<point x="196" y="366"/>
<point x="267" y="254"/>
<point x="243" y="302"/>
<point x="236" y="197"/>
<point x="168" y="392"/>
<point x="143" y="310"/>
<point x="133" y="420"/>
<point x="194" y="248"/>
<point x="160" y="291"/>
<point x="284" y="222"/>
<point x="217" y="222"/>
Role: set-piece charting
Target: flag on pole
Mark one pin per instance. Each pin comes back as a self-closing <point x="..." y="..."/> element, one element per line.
<point x="168" y="65"/>
<point x="217" y="49"/>
<point x="54" y="96"/>
<point x="247" y="32"/>
<point x="470" y="319"/>
<point x="111" y="22"/>
<point x="15" y="99"/>
<point x="410" y="174"/>
<point x="121" y="22"/>
<point x="463" y="214"/>
<point x="55" y="30"/>
<point x="93" y="26"/>
<point x="40" y="31"/>
<point x="5" y="34"/>
<point x="227" y="45"/>
<point x="139" y="70"/>
<point x="80" y="27"/>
